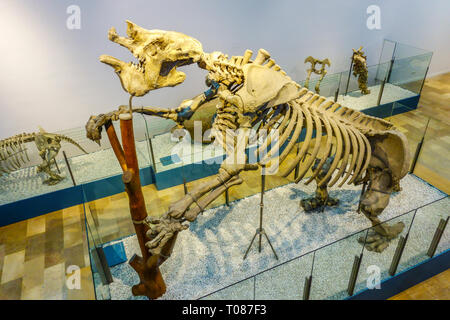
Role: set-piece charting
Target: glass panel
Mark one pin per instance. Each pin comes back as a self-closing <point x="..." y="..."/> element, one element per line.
<point x="387" y="52"/>
<point x="328" y="85"/>
<point x="101" y="288"/>
<point x="284" y="282"/>
<point x="333" y="267"/>
<point x="356" y="100"/>
<point x="422" y="231"/>
<point x="381" y="261"/>
<point x="404" y="51"/>
<point x="433" y="158"/>
<point x="110" y="214"/>
<point x="243" y="290"/>
<point x="100" y="162"/>
<point x="409" y="72"/>
<point x="412" y="123"/>
<point x="111" y="217"/>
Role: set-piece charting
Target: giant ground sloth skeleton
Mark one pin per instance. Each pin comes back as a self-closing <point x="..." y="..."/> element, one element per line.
<point x="258" y="94"/>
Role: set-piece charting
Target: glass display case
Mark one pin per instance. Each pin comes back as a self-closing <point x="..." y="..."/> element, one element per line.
<point x="398" y="77"/>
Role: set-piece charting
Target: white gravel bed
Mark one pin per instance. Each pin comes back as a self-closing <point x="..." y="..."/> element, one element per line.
<point x="356" y="100"/>
<point x="209" y="255"/>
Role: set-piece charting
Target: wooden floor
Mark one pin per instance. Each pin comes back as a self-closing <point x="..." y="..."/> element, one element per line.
<point x="435" y="288"/>
<point x="35" y="254"/>
<point x="434" y="106"/>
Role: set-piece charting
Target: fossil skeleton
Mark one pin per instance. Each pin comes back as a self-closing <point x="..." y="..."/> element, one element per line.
<point x="322" y="72"/>
<point x="340" y="144"/>
<point x="14" y="154"/>
<point x="360" y="69"/>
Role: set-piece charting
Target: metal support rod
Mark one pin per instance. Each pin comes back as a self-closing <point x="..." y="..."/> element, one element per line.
<point x="423" y="82"/>
<point x="383" y="83"/>
<point x="360" y="197"/>
<point x="398" y="254"/>
<point x="151" y="152"/>
<point x="390" y="70"/>
<point x="261" y="205"/>
<point x="380" y="94"/>
<point x="307" y="288"/>
<point x="418" y="149"/>
<point x="336" y="95"/>
<point x="349" y="74"/>
<point x="260" y="231"/>
<point x="416" y="156"/>
<point x="152" y="165"/>
<point x="56" y="165"/>
<point x="68" y="167"/>
<point x="354" y="274"/>
<point x="103" y="264"/>
<point x="185" y="186"/>
<point x="437" y="237"/>
<point x="227" y="198"/>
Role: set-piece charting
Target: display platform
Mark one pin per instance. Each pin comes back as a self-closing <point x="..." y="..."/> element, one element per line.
<point x="207" y="261"/>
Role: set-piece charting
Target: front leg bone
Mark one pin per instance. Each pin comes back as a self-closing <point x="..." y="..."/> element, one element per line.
<point x="163" y="229"/>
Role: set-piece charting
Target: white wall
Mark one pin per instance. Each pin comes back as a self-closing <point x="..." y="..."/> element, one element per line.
<point x="51" y="75"/>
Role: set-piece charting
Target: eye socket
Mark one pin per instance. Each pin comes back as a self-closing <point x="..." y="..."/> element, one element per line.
<point x="49" y="140"/>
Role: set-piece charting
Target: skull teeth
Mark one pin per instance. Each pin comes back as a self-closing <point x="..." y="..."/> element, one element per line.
<point x="138" y="66"/>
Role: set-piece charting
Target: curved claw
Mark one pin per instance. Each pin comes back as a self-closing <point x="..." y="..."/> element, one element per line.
<point x="95" y="123"/>
<point x="94" y="129"/>
<point x="161" y="231"/>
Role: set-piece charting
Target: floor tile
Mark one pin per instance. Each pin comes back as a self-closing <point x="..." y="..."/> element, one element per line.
<point x="11" y="290"/>
<point x="13" y="266"/>
<point x="36" y="226"/>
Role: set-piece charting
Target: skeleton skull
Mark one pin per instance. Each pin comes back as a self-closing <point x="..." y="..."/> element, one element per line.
<point x="158" y="52"/>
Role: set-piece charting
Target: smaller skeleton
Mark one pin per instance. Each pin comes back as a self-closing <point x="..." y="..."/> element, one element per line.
<point x="322" y="72"/>
<point x="13" y="152"/>
<point x="360" y="69"/>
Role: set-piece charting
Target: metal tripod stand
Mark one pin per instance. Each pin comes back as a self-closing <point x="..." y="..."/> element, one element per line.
<point x="260" y="231"/>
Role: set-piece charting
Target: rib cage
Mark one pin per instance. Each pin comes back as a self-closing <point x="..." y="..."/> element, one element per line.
<point x="12" y="152"/>
<point x="343" y="134"/>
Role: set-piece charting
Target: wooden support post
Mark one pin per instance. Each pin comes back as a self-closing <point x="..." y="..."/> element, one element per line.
<point x="152" y="284"/>
<point x="147" y="266"/>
